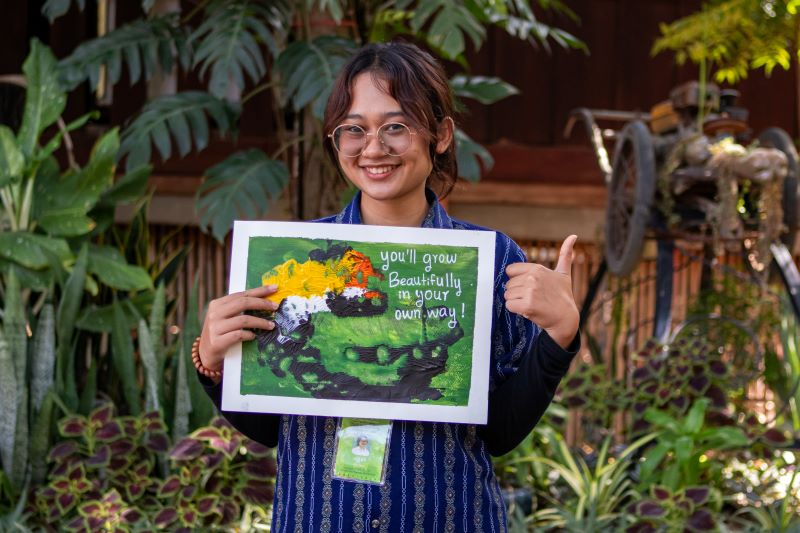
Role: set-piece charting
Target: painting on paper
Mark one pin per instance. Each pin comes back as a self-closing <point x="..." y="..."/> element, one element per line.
<point x="370" y="321"/>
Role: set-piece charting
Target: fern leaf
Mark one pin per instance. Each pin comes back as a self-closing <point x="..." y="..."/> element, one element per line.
<point x="170" y="117"/>
<point x="141" y="44"/>
<point x="307" y="70"/>
<point x="228" y="43"/>
<point x="239" y="187"/>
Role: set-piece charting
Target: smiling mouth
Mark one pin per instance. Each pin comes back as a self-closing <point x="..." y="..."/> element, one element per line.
<point x="380" y="171"/>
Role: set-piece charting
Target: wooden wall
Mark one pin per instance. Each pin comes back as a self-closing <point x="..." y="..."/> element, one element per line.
<point x="524" y="132"/>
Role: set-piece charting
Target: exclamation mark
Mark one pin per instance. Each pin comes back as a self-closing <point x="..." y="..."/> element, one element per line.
<point x="462" y="309"/>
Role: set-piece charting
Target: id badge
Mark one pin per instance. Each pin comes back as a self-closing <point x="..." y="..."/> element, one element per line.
<point x="362" y="450"/>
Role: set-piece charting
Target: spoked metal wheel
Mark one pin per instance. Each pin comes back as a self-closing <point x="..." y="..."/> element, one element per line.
<point x="630" y="197"/>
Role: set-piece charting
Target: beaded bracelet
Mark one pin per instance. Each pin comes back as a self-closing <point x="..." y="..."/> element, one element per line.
<point x="198" y="364"/>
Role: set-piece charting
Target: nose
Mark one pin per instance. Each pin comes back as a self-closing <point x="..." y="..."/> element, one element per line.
<point x="373" y="148"/>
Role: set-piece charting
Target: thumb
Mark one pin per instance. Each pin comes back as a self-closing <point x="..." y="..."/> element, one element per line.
<point x="564" y="265"/>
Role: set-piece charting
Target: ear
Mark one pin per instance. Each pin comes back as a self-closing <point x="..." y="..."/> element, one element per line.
<point x="444" y="137"/>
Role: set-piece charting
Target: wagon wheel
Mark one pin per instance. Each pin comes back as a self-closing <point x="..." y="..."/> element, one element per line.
<point x="779" y="139"/>
<point x="630" y="197"/>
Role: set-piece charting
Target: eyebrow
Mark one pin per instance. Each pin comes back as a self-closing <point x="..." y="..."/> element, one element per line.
<point x="385" y="115"/>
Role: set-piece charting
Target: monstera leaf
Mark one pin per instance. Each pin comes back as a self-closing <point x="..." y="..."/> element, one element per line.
<point x="227" y="43"/>
<point x="142" y="45"/>
<point x="307" y="70"/>
<point x="240" y="187"/>
<point x="62" y="203"/>
<point x="181" y="117"/>
<point x="471" y="156"/>
<point x="44" y="100"/>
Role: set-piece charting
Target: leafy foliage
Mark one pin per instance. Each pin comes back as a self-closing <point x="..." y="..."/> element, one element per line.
<point x="227" y="42"/>
<point x="308" y="69"/>
<point x="106" y="473"/>
<point x="143" y="45"/>
<point x="238" y="188"/>
<point x="735" y="36"/>
<point x="181" y="117"/>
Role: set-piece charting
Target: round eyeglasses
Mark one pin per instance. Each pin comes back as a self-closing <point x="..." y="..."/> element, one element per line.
<point x="350" y="140"/>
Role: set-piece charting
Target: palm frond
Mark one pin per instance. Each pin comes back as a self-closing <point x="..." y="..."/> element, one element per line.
<point x="307" y="70"/>
<point x="229" y="41"/>
<point x="180" y="117"/>
<point x="142" y="45"/>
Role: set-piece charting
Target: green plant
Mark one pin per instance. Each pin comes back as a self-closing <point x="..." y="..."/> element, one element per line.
<point x="782" y="371"/>
<point x="593" y="498"/>
<point x="240" y="48"/>
<point x="120" y="472"/>
<point x="689" y="509"/>
<point x="684" y="449"/>
<point x="49" y="224"/>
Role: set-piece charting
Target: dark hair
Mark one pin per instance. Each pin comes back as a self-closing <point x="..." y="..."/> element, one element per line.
<point x="418" y="82"/>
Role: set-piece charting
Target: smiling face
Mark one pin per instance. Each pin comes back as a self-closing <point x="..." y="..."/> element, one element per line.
<point x="387" y="182"/>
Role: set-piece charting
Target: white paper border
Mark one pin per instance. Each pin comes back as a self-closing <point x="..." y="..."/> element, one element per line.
<point x="477" y="406"/>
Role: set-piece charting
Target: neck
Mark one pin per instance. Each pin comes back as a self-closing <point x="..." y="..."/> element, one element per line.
<point x="408" y="212"/>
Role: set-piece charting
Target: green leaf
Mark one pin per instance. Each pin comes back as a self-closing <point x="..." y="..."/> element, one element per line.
<point x="30" y="250"/>
<point x="471" y="157"/>
<point x="152" y="125"/>
<point x="44" y="356"/>
<point x="307" y="70"/>
<point x="152" y="376"/>
<point x="203" y="409"/>
<point x="54" y="143"/>
<point x="40" y="437"/>
<point x="21" y="437"/>
<point x="100" y="319"/>
<point x="14" y="327"/>
<point x="227" y="43"/>
<point x="129" y="188"/>
<point x="110" y="267"/>
<point x="62" y="203"/>
<point x="136" y="42"/>
<point x="449" y="21"/>
<point x="67" y="314"/>
<point x="662" y="420"/>
<point x="240" y="187"/>
<point x="44" y="99"/>
<point x="695" y="417"/>
<point x="122" y="359"/>
<point x="53" y="9"/>
<point x="9" y="388"/>
<point x="652" y="459"/>
<point x="12" y="162"/>
<point x="481" y="88"/>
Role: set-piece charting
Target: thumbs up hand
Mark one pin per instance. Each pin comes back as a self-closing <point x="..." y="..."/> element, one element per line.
<point x="544" y="296"/>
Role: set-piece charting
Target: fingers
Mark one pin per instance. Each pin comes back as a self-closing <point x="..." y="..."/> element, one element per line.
<point x="233" y="306"/>
<point x="222" y="327"/>
<point x="258" y="292"/>
<point x="564" y="265"/>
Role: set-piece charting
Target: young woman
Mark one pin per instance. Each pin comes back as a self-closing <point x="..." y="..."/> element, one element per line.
<point x="389" y="125"/>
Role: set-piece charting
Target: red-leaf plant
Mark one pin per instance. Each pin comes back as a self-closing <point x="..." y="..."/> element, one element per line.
<point x="105" y="476"/>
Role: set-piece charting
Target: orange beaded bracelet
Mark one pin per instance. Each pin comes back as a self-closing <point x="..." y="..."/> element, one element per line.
<point x="198" y="364"/>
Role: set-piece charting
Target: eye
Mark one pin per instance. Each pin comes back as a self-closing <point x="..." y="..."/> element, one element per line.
<point x="394" y="127"/>
<point x="351" y="130"/>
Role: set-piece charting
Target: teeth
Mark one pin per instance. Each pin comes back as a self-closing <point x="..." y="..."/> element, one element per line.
<point x="378" y="170"/>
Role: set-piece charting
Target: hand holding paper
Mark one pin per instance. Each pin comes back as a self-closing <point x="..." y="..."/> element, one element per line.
<point x="225" y="324"/>
<point x="544" y="296"/>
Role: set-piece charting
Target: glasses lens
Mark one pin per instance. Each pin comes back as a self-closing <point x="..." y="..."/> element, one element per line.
<point x="396" y="138"/>
<point x="349" y="139"/>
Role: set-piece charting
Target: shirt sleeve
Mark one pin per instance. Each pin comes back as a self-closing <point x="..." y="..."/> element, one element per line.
<point x="262" y="428"/>
<point x="527" y="365"/>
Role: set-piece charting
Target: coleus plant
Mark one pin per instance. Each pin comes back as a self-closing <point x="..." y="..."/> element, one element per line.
<point x="691" y="509"/>
<point x="120" y="474"/>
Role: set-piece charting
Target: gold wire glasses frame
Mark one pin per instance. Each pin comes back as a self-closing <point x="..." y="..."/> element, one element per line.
<point x="388" y="149"/>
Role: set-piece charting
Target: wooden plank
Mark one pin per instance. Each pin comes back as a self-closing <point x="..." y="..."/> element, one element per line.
<point x="531" y="194"/>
